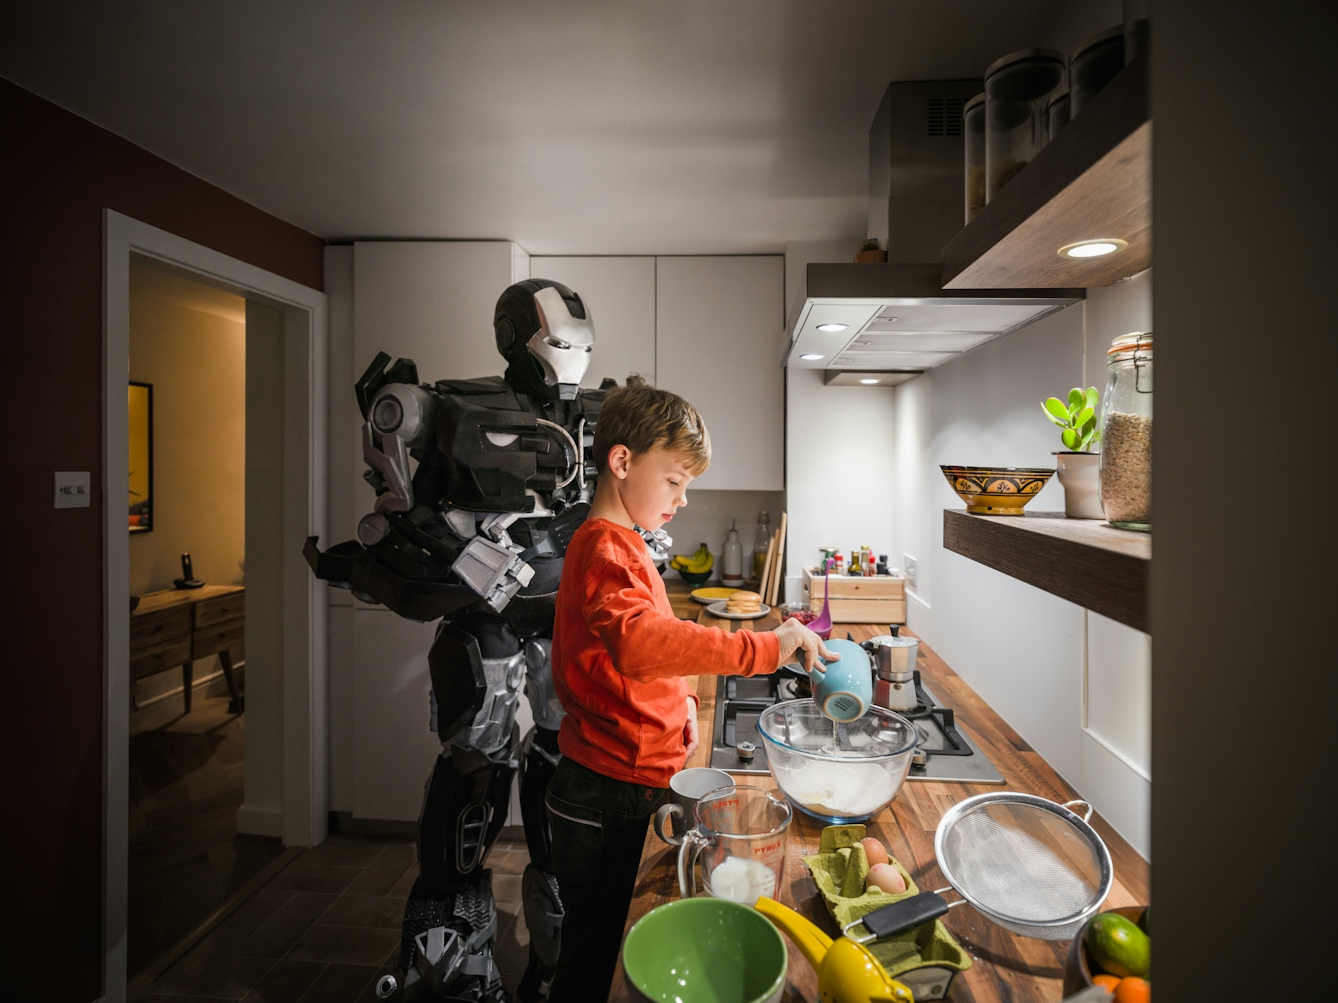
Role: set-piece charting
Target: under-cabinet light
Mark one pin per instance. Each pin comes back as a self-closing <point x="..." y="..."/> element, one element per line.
<point x="1093" y="248"/>
<point x="868" y="383"/>
<point x="832" y="327"/>
<point x="810" y="357"/>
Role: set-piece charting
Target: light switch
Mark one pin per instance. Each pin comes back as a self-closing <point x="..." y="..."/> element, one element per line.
<point x="73" y="489"/>
<point x="910" y="569"/>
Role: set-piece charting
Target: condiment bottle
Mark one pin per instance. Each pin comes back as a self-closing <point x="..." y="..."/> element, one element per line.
<point x="732" y="557"/>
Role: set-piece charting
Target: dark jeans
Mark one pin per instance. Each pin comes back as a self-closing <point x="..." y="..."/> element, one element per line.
<point x="599" y="828"/>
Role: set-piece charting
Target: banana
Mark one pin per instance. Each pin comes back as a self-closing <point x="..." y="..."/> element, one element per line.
<point x="702" y="560"/>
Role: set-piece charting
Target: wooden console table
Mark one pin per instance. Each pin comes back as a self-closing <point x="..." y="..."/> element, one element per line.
<point x="176" y="626"/>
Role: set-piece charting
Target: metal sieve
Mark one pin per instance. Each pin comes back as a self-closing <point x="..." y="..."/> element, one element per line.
<point x="1032" y="866"/>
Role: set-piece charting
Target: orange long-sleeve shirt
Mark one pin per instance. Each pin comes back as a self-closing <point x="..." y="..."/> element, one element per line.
<point x="620" y="656"/>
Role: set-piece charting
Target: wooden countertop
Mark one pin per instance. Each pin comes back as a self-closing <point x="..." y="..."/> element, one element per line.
<point x="1006" y="967"/>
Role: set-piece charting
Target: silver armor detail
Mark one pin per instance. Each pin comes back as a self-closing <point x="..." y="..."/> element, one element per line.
<point x="493" y="571"/>
<point x="540" y="689"/>
<point x="658" y="545"/>
<point x="386" y="454"/>
<point x="408" y="411"/>
<point x="563" y="342"/>
<point x="490" y="731"/>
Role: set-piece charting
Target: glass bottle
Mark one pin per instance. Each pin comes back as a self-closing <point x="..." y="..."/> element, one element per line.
<point x="761" y="543"/>
<point x="1017" y="89"/>
<point x="854" y="561"/>
<point x="1126" y="433"/>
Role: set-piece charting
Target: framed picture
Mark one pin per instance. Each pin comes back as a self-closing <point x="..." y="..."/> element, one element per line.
<point x="141" y="457"/>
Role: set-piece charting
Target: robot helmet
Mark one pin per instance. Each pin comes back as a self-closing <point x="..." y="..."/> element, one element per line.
<point x="545" y="333"/>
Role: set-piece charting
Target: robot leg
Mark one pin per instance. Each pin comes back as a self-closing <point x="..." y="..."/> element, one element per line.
<point x="539" y="887"/>
<point x="450" y="920"/>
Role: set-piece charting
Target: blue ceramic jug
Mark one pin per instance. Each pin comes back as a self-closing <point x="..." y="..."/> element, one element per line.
<point x="843" y="690"/>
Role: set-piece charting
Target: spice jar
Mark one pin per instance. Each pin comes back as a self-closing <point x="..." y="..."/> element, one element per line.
<point x="973" y="119"/>
<point x="1017" y="89"/>
<point x="1094" y="66"/>
<point x="1126" y="433"/>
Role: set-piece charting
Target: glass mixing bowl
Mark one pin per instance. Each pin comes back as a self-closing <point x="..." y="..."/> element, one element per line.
<point x="837" y="772"/>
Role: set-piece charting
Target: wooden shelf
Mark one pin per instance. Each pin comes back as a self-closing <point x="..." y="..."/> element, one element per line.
<point x="1084" y="561"/>
<point x="1094" y="180"/>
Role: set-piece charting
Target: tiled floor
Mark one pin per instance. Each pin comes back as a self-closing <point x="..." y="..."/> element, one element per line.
<point x="324" y="929"/>
<point x="185" y="856"/>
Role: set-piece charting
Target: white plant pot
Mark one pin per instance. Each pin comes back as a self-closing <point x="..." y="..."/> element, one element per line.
<point x="1080" y="475"/>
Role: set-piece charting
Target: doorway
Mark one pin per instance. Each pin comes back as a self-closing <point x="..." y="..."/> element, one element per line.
<point x="187" y="418"/>
<point x="274" y="795"/>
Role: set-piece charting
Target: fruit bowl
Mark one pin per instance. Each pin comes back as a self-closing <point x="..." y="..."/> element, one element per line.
<point x="837" y="773"/>
<point x="1078" y="965"/>
<point x="695" y="578"/>
<point x="996" y="490"/>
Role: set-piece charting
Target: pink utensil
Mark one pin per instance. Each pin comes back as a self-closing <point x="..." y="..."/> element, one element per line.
<point x="822" y="626"/>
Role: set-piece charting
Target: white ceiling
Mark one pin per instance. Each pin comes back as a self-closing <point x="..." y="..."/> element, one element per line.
<point x="570" y="126"/>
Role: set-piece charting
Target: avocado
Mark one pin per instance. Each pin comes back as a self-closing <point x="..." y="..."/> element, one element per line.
<point x="1119" y="946"/>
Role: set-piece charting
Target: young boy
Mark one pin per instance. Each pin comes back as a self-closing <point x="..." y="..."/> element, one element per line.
<point x="620" y="656"/>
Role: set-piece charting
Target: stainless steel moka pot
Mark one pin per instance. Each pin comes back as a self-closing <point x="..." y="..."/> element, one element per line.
<point x="893" y="659"/>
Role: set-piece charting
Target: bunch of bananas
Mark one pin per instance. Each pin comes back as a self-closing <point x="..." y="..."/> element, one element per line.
<point x="702" y="560"/>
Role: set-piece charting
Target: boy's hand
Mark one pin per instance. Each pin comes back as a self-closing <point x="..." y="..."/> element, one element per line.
<point x="690" y="733"/>
<point x="794" y="636"/>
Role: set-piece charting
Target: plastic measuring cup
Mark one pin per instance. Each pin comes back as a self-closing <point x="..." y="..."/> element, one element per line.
<point x="740" y="840"/>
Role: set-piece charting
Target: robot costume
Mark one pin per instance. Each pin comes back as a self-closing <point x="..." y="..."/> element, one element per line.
<point x="474" y="536"/>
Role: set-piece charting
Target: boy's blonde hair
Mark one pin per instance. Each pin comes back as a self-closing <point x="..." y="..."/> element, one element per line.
<point x="641" y="417"/>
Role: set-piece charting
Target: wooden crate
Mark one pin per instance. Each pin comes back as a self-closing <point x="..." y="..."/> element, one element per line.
<point x="879" y="599"/>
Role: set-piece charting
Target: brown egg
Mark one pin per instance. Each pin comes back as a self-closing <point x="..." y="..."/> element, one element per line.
<point x="874" y="850"/>
<point x="886" y="878"/>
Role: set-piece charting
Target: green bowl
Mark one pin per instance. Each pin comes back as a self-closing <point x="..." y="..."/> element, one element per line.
<point x="696" y="578"/>
<point x="705" y="950"/>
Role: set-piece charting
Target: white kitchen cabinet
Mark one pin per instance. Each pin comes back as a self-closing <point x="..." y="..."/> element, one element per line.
<point x="717" y="336"/>
<point x="394" y="749"/>
<point x="433" y="302"/>
<point x="620" y="295"/>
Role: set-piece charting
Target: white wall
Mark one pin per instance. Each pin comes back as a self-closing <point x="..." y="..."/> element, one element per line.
<point x="1075" y="685"/>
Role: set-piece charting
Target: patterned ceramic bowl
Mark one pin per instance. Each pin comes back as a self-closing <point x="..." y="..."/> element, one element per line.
<point x="996" y="490"/>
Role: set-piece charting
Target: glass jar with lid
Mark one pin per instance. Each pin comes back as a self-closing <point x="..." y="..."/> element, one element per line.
<point x="1017" y="89"/>
<point x="973" y="122"/>
<point x="1094" y="66"/>
<point x="1126" y="433"/>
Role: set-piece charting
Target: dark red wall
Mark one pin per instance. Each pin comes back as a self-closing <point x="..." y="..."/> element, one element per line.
<point x="58" y="173"/>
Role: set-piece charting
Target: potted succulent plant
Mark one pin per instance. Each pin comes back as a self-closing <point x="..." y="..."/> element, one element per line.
<point x="1079" y="465"/>
<point x="870" y="253"/>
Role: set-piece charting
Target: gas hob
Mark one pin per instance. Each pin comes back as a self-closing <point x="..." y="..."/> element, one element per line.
<point x="950" y="754"/>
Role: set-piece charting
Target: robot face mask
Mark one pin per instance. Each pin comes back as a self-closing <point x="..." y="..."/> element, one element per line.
<point x="562" y="344"/>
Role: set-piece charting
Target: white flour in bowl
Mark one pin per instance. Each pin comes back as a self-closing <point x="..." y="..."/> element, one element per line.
<point x="850" y="788"/>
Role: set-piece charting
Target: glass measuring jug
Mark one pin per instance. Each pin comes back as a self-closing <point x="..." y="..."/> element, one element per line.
<point x="740" y="840"/>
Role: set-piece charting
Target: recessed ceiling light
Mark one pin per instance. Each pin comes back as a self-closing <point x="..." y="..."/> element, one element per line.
<point x="832" y="327"/>
<point x="868" y="383"/>
<point x="810" y="357"/>
<point x="1092" y="248"/>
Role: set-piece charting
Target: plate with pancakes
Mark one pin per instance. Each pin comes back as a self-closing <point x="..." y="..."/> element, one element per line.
<point x="742" y="605"/>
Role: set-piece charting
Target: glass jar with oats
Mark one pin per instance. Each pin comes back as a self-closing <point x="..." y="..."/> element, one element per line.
<point x="1126" y="433"/>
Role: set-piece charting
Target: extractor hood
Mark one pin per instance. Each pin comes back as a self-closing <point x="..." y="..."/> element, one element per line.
<point x="897" y="317"/>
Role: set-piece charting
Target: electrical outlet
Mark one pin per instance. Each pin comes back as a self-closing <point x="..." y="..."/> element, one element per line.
<point x="908" y="569"/>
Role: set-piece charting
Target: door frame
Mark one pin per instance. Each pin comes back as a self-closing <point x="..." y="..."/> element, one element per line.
<point x="302" y="818"/>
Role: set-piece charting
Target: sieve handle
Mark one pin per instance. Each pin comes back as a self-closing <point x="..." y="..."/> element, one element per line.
<point x="1087" y="815"/>
<point x="904" y="915"/>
